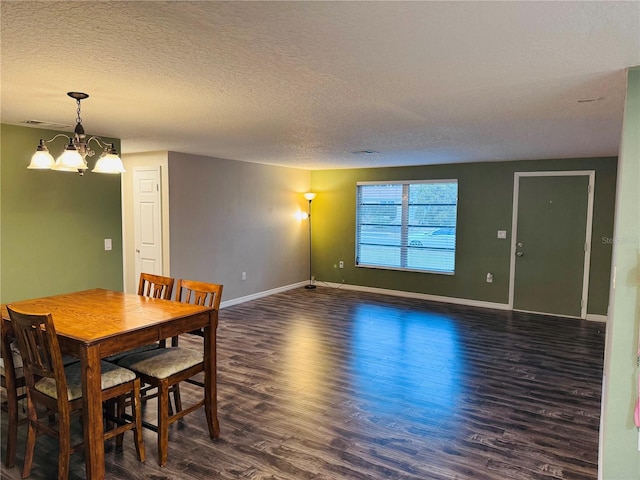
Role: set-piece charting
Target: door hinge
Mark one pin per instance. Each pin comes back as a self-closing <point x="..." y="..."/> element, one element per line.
<point x="589" y="188"/>
<point x="586" y="246"/>
<point x="157" y="187"/>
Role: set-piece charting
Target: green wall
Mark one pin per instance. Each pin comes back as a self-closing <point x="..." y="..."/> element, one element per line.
<point x="620" y="459"/>
<point x="53" y="224"/>
<point x="485" y="198"/>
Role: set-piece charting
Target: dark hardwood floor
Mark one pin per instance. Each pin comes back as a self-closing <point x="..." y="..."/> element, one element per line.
<point x="337" y="384"/>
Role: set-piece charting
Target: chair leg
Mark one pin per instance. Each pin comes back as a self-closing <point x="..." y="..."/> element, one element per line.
<point x="119" y="407"/>
<point x="163" y="423"/>
<point x="31" y="438"/>
<point x="108" y="411"/>
<point x="64" y="440"/>
<point x="136" y="413"/>
<point x="177" y="401"/>
<point x="29" y="449"/>
<point x="12" y="427"/>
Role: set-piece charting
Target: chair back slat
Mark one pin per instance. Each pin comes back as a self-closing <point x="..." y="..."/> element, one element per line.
<point x="199" y="293"/>
<point x="155" y="286"/>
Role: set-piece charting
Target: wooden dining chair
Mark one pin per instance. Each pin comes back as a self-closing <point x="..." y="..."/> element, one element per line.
<point x="58" y="389"/>
<point x="196" y="293"/>
<point x="13" y="381"/>
<point x="165" y="368"/>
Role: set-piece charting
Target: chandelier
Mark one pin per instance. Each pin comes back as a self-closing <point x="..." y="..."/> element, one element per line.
<point x="73" y="158"/>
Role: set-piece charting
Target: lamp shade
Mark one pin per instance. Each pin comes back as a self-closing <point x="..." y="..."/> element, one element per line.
<point x="309" y="196"/>
<point x="42" y="160"/>
<point x="70" y="161"/>
<point x="109" y="163"/>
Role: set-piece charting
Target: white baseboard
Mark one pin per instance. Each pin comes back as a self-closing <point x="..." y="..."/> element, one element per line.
<point x="266" y="293"/>
<point x="421" y="296"/>
<point x="384" y="291"/>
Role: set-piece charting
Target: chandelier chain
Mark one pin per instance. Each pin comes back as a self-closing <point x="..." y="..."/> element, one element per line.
<point x="78" y="120"/>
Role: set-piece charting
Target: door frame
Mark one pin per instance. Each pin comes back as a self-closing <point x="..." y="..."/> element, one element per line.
<point x="588" y="231"/>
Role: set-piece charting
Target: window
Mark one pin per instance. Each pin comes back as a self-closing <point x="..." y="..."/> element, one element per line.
<point x="407" y="225"/>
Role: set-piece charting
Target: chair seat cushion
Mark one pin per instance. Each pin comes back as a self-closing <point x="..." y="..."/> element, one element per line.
<point x="17" y="360"/>
<point x="17" y="364"/>
<point x="117" y="356"/>
<point x="162" y="362"/>
<point x="112" y="375"/>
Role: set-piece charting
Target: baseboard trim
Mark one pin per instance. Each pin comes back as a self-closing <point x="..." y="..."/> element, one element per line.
<point x="265" y="293"/>
<point x="422" y="296"/>
<point x="383" y="291"/>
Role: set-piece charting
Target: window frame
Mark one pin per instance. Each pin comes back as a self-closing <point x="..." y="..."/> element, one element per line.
<point x="404" y="225"/>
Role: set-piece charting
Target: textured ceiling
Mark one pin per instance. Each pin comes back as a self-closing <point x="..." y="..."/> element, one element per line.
<point x="306" y="84"/>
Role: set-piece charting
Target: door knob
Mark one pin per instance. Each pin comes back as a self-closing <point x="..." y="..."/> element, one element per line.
<point x="520" y="254"/>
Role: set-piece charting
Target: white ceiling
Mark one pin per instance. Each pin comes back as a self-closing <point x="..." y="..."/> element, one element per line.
<point x="306" y="84"/>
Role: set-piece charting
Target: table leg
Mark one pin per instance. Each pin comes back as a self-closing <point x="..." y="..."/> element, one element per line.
<point x="12" y="399"/>
<point x="211" y="375"/>
<point x="92" y="413"/>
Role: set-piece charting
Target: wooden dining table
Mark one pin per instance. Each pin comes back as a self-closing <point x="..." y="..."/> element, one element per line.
<point x="94" y="324"/>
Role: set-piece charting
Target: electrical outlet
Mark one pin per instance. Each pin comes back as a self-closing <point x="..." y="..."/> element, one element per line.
<point x="341" y="264"/>
<point x="244" y="275"/>
<point x="489" y="277"/>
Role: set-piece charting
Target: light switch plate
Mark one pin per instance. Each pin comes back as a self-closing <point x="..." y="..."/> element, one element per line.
<point x="502" y="234"/>
<point x="107" y="244"/>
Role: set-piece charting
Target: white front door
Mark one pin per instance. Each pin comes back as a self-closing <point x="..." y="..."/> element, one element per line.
<point x="147" y="218"/>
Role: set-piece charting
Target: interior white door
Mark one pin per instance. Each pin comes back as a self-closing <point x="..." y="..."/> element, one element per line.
<point x="147" y="218"/>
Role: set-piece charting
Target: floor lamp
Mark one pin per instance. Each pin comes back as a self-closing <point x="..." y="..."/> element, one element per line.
<point x="310" y="196"/>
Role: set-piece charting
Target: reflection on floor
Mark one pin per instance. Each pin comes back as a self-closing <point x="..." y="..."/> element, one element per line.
<point x="336" y="384"/>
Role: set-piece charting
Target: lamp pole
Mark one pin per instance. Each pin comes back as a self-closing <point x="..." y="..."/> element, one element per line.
<point x="310" y="196"/>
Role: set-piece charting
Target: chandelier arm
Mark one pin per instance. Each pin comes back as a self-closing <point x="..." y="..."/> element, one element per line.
<point x="100" y="142"/>
<point x="58" y="135"/>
